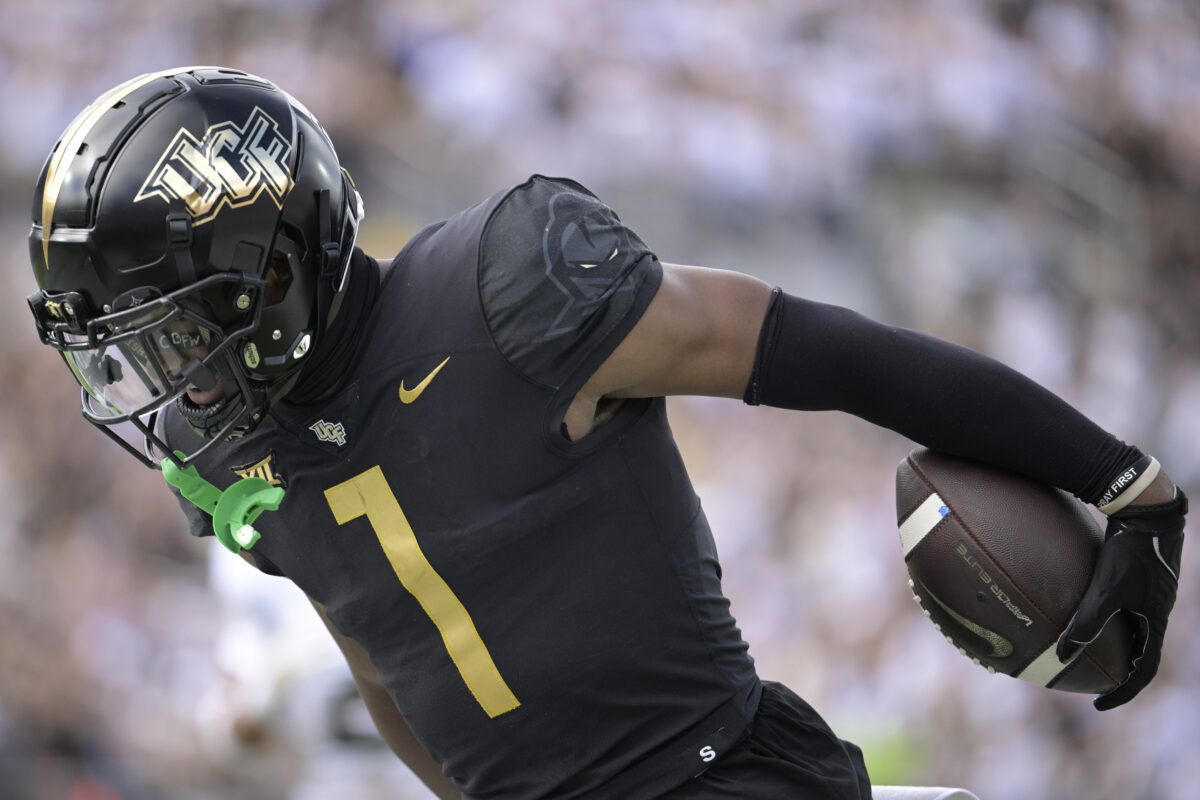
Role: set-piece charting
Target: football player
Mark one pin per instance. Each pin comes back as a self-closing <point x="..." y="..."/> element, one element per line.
<point x="476" y="482"/>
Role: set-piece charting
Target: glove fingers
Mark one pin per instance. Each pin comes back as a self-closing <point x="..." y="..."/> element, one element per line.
<point x="1120" y="695"/>
<point x="1098" y="604"/>
<point x="1148" y="646"/>
<point x="1089" y="619"/>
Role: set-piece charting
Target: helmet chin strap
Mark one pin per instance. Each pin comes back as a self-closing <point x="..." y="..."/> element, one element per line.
<point x="333" y="255"/>
<point x="179" y="237"/>
<point x="332" y="269"/>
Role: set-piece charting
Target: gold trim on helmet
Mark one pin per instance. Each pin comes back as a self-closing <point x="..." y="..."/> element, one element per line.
<point x="72" y="138"/>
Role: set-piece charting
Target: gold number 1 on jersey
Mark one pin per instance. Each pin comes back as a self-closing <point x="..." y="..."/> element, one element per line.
<point x="369" y="494"/>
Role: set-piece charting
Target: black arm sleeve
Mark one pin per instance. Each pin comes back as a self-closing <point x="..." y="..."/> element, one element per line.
<point x="813" y="356"/>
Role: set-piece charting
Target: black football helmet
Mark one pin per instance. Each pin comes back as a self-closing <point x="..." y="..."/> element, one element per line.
<point x="189" y="230"/>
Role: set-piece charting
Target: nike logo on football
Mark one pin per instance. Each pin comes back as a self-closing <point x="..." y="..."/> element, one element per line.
<point x="409" y="395"/>
<point x="1001" y="647"/>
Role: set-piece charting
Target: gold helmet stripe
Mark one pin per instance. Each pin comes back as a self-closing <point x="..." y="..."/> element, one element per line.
<point x="73" y="137"/>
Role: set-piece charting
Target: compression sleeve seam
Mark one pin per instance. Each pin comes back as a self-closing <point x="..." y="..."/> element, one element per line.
<point x="766" y="341"/>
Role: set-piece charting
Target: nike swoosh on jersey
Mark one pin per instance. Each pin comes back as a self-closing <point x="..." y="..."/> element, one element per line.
<point x="1001" y="647"/>
<point x="409" y="395"/>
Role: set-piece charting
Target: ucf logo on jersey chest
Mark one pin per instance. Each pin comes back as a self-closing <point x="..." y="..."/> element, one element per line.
<point x="329" y="432"/>
<point x="230" y="166"/>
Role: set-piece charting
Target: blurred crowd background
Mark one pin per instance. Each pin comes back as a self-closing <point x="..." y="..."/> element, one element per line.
<point x="1021" y="177"/>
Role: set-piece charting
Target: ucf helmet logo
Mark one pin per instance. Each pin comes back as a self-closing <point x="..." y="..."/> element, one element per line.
<point x="230" y="166"/>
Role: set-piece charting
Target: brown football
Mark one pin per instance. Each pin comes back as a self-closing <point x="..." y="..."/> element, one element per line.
<point x="999" y="563"/>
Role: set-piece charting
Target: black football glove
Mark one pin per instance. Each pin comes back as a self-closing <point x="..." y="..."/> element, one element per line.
<point x="1137" y="570"/>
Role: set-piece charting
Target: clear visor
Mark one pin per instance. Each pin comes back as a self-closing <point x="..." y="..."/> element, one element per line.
<point x="139" y="360"/>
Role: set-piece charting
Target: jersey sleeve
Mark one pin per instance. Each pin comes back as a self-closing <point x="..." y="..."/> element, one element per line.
<point x="562" y="280"/>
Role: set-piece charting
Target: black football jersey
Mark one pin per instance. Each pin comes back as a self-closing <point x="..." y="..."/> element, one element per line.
<point x="546" y="614"/>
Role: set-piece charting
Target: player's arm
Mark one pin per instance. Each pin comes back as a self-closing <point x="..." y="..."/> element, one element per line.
<point x="386" y="716"/>
<point x="718" y="333"/>
<point x="698" y="336"/>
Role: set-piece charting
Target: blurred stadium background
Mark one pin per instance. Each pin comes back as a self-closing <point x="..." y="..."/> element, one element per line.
<point x="1021" y="177"/>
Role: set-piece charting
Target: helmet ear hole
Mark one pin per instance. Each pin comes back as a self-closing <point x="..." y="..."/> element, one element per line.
<point x="279" y="278"/>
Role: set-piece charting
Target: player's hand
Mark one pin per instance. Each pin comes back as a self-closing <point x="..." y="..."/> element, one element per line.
<point x="1137" y="570"/>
